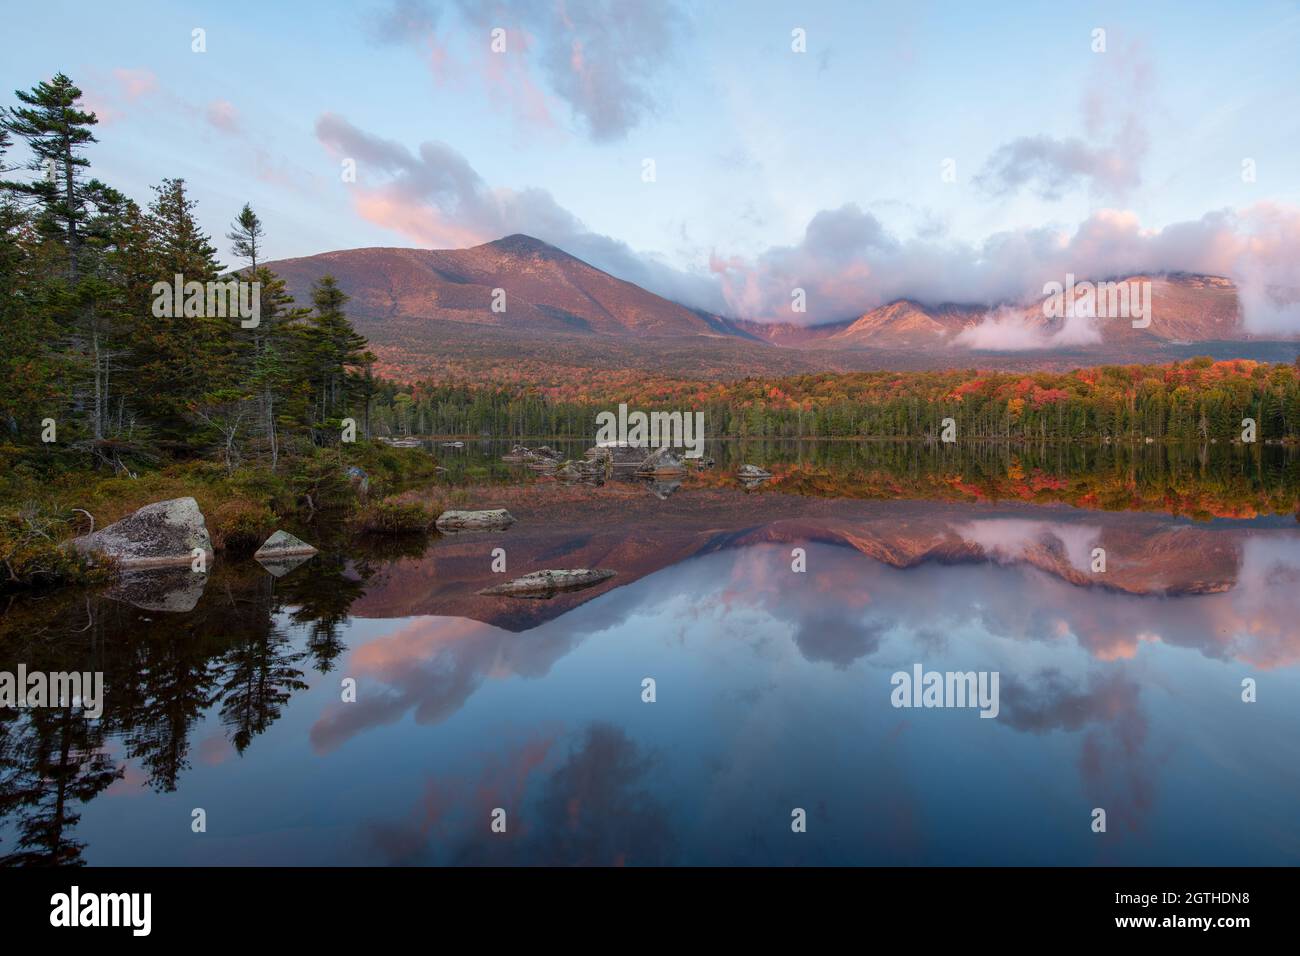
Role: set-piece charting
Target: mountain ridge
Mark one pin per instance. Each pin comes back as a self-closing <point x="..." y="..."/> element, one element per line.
<point x="521" y="293"/>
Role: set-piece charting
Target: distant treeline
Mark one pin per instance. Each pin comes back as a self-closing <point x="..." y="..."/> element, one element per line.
<point x="96" y="359"/>
<point x="1195" y="400"/>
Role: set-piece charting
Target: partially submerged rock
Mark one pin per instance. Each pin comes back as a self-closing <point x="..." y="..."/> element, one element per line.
<point x="282" y="544"/>
<point x="661" y="461"/>
<point x="752" y="472"/>
<point x="160" y="535"/>
<point x="618" y="455"/>
<point x="540" y="459"/>
<point x="496" y="519"/>
<point x="584" y="469"/>
<point x="545" y="584"/>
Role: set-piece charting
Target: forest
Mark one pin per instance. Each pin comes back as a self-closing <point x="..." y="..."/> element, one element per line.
<point x="93" y="367"/>
<point x="1196" y="400"/>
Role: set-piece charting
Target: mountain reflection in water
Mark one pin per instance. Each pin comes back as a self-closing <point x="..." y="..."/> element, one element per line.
<point x="1119" y="690"/>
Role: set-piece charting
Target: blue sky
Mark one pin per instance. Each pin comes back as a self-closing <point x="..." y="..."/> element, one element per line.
<point x="772" y="168"/>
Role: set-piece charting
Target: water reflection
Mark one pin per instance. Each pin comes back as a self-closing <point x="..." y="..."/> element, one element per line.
<point x="1119" y="689"/>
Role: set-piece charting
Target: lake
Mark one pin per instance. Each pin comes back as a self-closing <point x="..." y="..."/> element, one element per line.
<point x="771" y="622"/>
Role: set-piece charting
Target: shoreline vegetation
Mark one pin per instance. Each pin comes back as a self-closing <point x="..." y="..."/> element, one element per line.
<point x="109" y="403"/>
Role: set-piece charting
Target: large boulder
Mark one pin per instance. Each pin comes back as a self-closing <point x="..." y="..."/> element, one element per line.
<point x="160" y="535"/>
<point x="496" y="519"/>
<point x="544" y="584"/>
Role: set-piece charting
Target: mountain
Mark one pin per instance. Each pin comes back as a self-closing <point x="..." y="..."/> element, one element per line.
<point x="789" y="334"/>
<point x="905" y="324"/>
<point x="1184" y="309"/>
<point x="429" y="313"/>
<point x="545" y="290"/>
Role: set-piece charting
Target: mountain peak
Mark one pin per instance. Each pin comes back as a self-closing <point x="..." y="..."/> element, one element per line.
<point x="520" y="244"/>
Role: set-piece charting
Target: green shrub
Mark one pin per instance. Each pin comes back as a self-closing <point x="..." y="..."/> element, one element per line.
<point x="239" y="526"/>
<point x="394" y="517"/>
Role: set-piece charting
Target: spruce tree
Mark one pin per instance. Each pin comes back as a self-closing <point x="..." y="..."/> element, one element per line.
<point x="330" y="346"/>
<point x="56" y="131"/>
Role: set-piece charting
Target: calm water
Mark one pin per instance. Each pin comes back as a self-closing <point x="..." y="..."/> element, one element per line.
<point x="1120" y="690"/>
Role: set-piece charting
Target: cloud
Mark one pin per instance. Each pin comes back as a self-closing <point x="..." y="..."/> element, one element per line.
<point x="222" y="115"/>
<point x="1008" y="329"/>
<point x="847" y="261"/>
<point x="600" y="58"/>
<point x="435" y="197"/>
<point x="136" y="83"/>
<point x="1108" y="161"/>
<point x="604" y="59"/>
<point x="403" y="21"/>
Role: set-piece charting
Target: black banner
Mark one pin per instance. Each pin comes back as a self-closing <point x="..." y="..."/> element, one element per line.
<point x="334" y="905"/>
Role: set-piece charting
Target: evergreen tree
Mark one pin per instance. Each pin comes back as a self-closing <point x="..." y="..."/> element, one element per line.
<point x="56" y="131"/>
<point x="183" y="356"/>
<point x="246" y="237"/>
<point x="330" y="346"/>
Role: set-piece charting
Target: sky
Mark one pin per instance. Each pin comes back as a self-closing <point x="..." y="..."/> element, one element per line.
<point x="723" y="153"/>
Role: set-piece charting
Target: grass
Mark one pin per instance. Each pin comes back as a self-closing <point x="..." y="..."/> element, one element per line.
<point x="49" y="496"/>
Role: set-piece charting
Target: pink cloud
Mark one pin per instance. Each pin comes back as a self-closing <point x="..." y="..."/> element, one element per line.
<point x="510" y="83"/>
<point x="136" y="83"/>
<point x="422" y="223"/>
<point x="223" y="115"/>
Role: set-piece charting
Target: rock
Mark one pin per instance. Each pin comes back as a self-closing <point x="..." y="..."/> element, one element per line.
<point x="282" y="544"/>
<point x="704" y="462"/>
<point x="543" y="458"/>
<point x="618" y="455"/>
<point x="453" y="444"/>
<point x="545" y="584"/>
<point x="661" y="461"/>
<point x="160" y="535"/>
<point x="359" y="480"/>
<point x="497" y="519"/>
<point x="752" y="472"/>
<point x="584" y="470"/>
